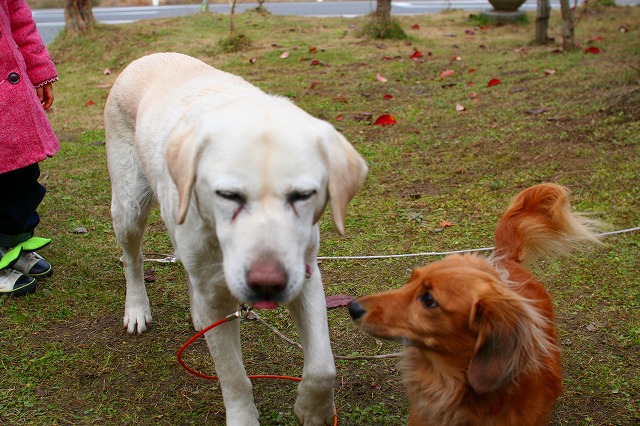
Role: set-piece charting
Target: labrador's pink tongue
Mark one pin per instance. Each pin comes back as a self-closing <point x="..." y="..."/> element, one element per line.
<point x="265" y="305"/>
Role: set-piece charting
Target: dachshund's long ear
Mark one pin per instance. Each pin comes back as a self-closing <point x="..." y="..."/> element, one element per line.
<point x="347" y="170"/>
<point x="181" y="154"/>
<point x="510" y="339"/>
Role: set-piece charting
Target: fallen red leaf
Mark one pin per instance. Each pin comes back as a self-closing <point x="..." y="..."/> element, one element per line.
<point x="339" y="117"/>
<point x="494" y="82"/>
<point x="445" y="224"/>
<point x="387" y="96"/>
<point x="415" y="27"/>
<point x="253" y="60"/>
<point x="341" y="98"/>
<point x="313" y="49"/>
<point x="447" y="73"/>
<point x="385" y="120"/>
<point x="594" y="50"/>
<point x="381" y="78"/>
<point x="314" y="83"/>
<point x="460" y="108"/>
<point x="416" y="54"/>
<point x="338" y="300"/>
<point x="90" y="103"/>
<point x="471" y="71"/>
<point x="315" y="62"/>
<point x="469" y="32"/>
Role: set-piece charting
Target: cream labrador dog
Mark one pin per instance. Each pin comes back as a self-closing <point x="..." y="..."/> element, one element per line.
<point x="242" y="178"/>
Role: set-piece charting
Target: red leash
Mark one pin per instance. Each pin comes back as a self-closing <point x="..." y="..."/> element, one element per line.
<point x="240" y="313"/>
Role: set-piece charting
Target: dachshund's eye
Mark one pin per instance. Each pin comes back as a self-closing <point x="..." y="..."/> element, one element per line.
<point x="232" y="196"/>
<point x="428" y="300"/>
<point x="300" y="196"/>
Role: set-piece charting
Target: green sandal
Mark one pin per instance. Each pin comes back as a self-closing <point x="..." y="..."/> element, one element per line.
<point x="24" y="258"/>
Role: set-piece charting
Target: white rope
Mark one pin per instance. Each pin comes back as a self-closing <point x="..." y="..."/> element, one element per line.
<point x="389" y="256"/>
<point x="359" y="357"/>
<point x="173" y="259"/>
<point x="254" y="315"/>
<point x="623" y="231"/>
<point x="446" y="253"/>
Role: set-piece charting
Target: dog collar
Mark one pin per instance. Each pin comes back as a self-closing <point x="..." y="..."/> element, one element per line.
<point x="307" y="271"/>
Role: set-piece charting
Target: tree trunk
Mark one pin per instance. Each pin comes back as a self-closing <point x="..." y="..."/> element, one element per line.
<point x="568" y="34"/>
<point x="383" y="11"/>
<point x="542" y="21"/>
<point x="232" y="14"/>
<point x="78" y="16"/>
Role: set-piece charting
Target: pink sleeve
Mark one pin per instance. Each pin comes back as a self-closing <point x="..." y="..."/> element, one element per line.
<point x="40" y="67"/>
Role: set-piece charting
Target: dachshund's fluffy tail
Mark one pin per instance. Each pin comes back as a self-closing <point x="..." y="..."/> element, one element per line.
<point x="539" y="224"/>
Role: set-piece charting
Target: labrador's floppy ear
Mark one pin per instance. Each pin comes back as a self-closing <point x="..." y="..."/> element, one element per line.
<point x="181" y="154"/>
<point x="347" y="170"/>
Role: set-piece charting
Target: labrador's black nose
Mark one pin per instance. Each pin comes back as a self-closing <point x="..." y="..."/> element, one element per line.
<point x="356" y="310"/>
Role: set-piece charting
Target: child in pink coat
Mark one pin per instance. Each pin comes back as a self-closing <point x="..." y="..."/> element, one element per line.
<point x="26" y="138"/>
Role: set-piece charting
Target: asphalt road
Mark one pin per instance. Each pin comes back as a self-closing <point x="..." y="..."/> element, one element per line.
<point x="51" y="21"/>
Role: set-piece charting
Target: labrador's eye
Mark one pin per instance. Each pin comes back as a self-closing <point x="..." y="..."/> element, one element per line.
<point x="232" y="196"/>
<point x="428" y="300"/>
<point x="300" y="196"/>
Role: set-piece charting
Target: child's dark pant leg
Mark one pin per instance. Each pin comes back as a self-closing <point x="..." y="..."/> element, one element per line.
<point x="20" y="196"/>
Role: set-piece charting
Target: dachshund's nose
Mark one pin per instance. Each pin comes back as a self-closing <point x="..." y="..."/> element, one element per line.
<point x="356" y="310"/>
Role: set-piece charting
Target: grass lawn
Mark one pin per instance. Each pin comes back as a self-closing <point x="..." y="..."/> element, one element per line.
<point x="461" y="148"/>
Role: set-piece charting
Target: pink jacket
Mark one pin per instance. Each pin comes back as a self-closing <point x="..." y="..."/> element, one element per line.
<point x="26" y="137"/>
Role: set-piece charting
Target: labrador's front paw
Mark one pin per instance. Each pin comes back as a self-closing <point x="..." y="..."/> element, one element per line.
<point x="243" y="416"/>
<point x="310" y="419"/>
<point x="137" y="318"/>
<point x="314" y="406"/>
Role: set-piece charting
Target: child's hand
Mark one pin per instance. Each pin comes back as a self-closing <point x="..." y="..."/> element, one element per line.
<point x="45" y="93"/>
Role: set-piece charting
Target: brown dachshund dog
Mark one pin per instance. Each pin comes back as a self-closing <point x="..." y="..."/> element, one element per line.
<point x="480" y="337"/>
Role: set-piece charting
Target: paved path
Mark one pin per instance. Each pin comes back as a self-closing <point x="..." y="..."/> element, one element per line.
<point x="51" y="21"/>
